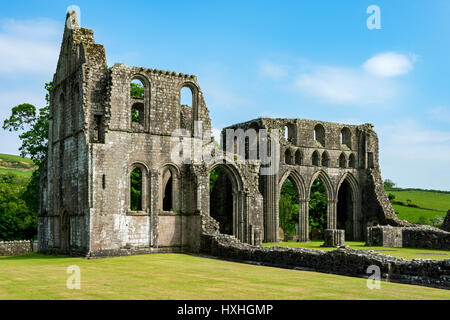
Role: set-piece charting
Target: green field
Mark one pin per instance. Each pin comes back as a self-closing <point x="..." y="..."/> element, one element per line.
<point x="416" y="215"/>
<point x="405" y="253"/>
<point x="431" y="205"/>
<point x="22" y="167"/>
<point x="424" y="199"/>
<point x="13" y="158"/>
<point x="179" y="276"/>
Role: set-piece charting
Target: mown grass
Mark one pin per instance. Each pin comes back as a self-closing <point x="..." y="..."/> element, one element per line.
<point x="405" y="253"/>
<point x="179" y="276"/>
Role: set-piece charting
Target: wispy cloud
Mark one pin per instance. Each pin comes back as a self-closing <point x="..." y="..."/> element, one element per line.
<point x="344" y="86"/>
<point x="372" y="83"/>
<point x="272" y="70"/>
<point x="390" y="64"/>
<point x="407" y="139"/>
<point x="440" y="113"/>
<point x="29" y="46"/>
<point x="415" y="156"/>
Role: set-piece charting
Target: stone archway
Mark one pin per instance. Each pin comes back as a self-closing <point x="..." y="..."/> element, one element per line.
<point x="226" y="200"/>
<point x="299" y="185"/>
<point x="347" y="208"/>
<point x="344" y="210"/>
<point x="330" y="199"/>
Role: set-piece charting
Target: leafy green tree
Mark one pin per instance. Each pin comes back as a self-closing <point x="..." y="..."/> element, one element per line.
<point x="288" y="208"/>
<point x="213" y="176"/>
<point x="135" y="116"/>
<point x="33" y="124"/>
<point x="389" y="184"/>
<point x="391" y="197"/>
<point x="136" y="190"/>
<point x="318" y="207"/>
<point x="17" y="222"/>
<point x="137" y="90"/>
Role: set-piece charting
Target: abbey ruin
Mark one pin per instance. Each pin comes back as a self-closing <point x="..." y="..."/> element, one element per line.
<point x="100" y="135"/>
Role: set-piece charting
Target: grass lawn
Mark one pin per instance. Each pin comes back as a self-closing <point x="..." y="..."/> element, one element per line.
<point x="180" y="276"/>
<point x="405" y="253"/>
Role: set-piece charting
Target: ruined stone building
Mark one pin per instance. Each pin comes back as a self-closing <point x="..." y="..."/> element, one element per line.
<point x="95" y="145"/>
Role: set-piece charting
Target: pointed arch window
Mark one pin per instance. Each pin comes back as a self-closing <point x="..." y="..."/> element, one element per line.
<point x="342" y="161"/>
<point x="325" y="159"/>
<point x="298" y="158"/>
<point x="352" y="161"/>
<point x="319" y="134"/>
<point x="316" y="158"/>
<point x="136" y="190"/>
<point x="346" y="137"/>
<point x="140" y="104"/>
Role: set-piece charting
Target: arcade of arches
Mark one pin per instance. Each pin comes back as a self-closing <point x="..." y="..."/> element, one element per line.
<point x="320" y="211"/>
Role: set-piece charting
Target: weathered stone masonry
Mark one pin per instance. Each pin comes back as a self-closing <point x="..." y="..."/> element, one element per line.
<point x="94" y="146"/>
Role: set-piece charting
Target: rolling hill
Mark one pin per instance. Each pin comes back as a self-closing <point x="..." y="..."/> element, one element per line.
<point x="14" y="164"/>
<point x="420" y="206"/>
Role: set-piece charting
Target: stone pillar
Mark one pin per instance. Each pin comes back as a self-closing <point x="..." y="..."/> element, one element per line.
<point x="303" y="222"/>
<point x="334" y="238"/>
<point x="331" y="214"/>
<point x="270" y="208"/>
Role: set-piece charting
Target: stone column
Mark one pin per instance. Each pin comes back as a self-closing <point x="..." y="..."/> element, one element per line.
<point x="270" y="208"/>
<point x="303" y="222"/>
<point x="334" y="238"/>
<point x="331" y="214"/>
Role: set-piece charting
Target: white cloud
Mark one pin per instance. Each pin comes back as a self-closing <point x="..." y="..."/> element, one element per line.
<point x="408" y="133"/>
<point x="369" y="84"/>
<point x="440" y="113"/>
<point x="272" y="70"/>
<point x="345" y="86"/>
<point x="390" y="64"/>
<point x="30" y="46"/>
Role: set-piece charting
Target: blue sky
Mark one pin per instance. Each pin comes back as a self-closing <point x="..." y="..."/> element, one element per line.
<point x="306" y="59"/>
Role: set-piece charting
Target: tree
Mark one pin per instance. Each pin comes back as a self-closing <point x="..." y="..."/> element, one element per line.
<point x="318" y="207"/>
<point x="33" y="124"/>
<point x="17" y="222"/>
<point x="136" y="190"/>
<point x="391" y="197"/>
<point x="288" y="207"/>
<point x="137" y="90"/>
<point x="389" y="184"/>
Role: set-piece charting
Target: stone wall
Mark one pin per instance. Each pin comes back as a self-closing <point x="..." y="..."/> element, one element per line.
<point x="424" y="237"/>
<point x="15" y="248"/>
<point x="342" y="261"/>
